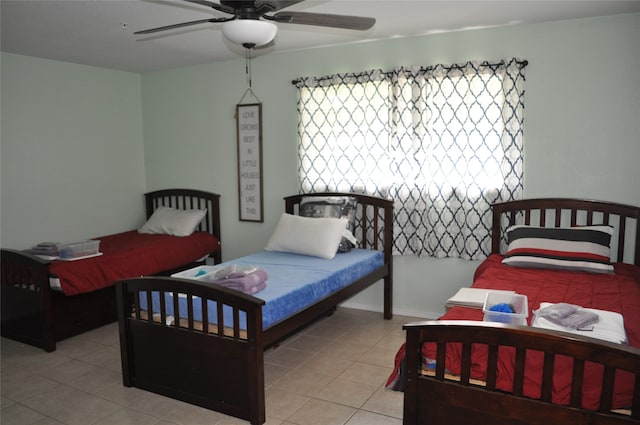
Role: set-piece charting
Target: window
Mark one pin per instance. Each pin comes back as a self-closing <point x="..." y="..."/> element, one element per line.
<point x="445" y="142"/>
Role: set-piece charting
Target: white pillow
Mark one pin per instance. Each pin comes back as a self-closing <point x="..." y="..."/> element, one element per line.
<point x="171" y="221"/>
<point x="318" y="237"/>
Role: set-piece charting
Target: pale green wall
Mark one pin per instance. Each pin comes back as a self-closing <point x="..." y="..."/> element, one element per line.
<point x="582" y="131"/>
<point x="71" y="151"/>
<point x="582" y="127"/>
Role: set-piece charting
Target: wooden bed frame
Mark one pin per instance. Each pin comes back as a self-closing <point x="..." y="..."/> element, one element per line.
<point x="223" y="369"/>
<point x="35" y="314"/>
<point x="438" y="399"/>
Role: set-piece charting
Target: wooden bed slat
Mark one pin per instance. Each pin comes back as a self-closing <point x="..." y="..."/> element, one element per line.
<point x="204" y="307"/>
<point x="236" y="323"/>
<point x="465" y="367"/>
<point x="150" y="316"/>
<point x="163" y="308"/>
<point x="547" y="377"/>
<point x="176" y="309"/>
<point x="440" y="360"/>
<point x="376" y="219"/>
<point x="606" y="396"/>
<point x="518" y="372"/>
<point x="190" y="311"/>
<point x="635" y="408"/>
<point x="492" y="366"/>
<point x="621" y="238"/>
<point x="136" y="306"/>
<point x="576" y="383"/>
<point x="220" y="315"/>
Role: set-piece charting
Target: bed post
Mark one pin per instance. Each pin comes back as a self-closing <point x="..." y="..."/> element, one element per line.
<point x="412" y="361"/>
<point x="123" y="322"/>
<point x="388" y="259"/>
<point x="255" y="361"/>
<point x="27" y="307"/>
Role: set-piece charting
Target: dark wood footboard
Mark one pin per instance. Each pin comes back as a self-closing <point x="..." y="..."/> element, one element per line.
<point x="36" y="315"/>
<point x="439" y="399"/>
<point x="214" y="365"/>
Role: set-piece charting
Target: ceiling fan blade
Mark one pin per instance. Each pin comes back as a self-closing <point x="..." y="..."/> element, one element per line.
<point x="216" y="6"/>
<point x="184" y="24"/>
<point x="326" y="20"/>
<point x="266" y="6"/>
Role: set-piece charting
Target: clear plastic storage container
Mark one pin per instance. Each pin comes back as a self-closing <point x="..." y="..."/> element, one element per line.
<point x="517" y="302"/>
<point x="204" y="273"/>
<point x="88" y="248"/>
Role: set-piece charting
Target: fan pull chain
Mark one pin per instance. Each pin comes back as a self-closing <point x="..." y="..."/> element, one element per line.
<point x="247" y="67"/>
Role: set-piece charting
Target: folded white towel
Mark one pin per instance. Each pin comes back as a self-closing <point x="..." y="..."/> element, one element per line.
<point x="610" y="326"/>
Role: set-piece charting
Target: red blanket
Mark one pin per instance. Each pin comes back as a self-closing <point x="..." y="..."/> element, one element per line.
<point x="131" y="254"/>
<point x="619" y="292"/>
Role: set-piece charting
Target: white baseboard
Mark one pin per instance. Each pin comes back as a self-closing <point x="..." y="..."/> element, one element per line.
<point x="429" y="315"/>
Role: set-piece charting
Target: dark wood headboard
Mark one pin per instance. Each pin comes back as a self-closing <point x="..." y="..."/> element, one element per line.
<point x="188" y="199"/>
<point x="374" y="230"/>
<point x="565" y="212"/>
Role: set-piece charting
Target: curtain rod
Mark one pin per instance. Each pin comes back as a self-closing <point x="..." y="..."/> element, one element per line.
<point x="521" y="63"/>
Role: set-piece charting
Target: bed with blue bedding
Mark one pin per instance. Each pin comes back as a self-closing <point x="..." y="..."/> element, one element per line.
<point x="298" y="282"/>
<point x="204" y="344"/>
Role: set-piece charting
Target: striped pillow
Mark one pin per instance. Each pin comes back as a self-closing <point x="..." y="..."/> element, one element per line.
<point x="568" y="248"/>
<point x="333" y="206"/>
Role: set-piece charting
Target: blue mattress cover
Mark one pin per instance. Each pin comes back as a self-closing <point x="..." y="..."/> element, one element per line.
<point x="294" y="283"/>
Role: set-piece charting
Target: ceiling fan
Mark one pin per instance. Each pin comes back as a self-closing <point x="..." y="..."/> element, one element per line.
<point x="251" y="21"/>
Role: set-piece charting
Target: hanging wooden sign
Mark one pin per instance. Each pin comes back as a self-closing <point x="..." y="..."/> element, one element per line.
<point x="249" y="119"/>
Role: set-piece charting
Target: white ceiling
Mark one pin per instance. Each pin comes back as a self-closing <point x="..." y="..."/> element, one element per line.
<point x="100" y="32"/>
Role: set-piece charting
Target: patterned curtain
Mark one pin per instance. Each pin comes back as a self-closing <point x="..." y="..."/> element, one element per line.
<point x="445" y="142"/>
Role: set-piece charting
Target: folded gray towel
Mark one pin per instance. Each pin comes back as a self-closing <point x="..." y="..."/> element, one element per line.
<point x="569" y="316"/>
<point x="249" y="283"/>
<point x="558" y="311"/>
<point x="581" y="319"/>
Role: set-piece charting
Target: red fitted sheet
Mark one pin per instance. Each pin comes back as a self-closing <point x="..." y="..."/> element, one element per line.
<point x="131" y="254"/>
<point x="619" y="292"/>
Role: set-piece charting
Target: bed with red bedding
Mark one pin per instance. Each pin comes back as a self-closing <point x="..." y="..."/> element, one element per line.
<point x="44" y="301"/>
<point x="460" y="369"/>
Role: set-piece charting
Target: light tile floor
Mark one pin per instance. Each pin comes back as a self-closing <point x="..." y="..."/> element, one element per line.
<point x="332" y="372"/>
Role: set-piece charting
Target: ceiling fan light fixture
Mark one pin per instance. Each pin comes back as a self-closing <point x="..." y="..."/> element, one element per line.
<point x="249" y="32"/>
